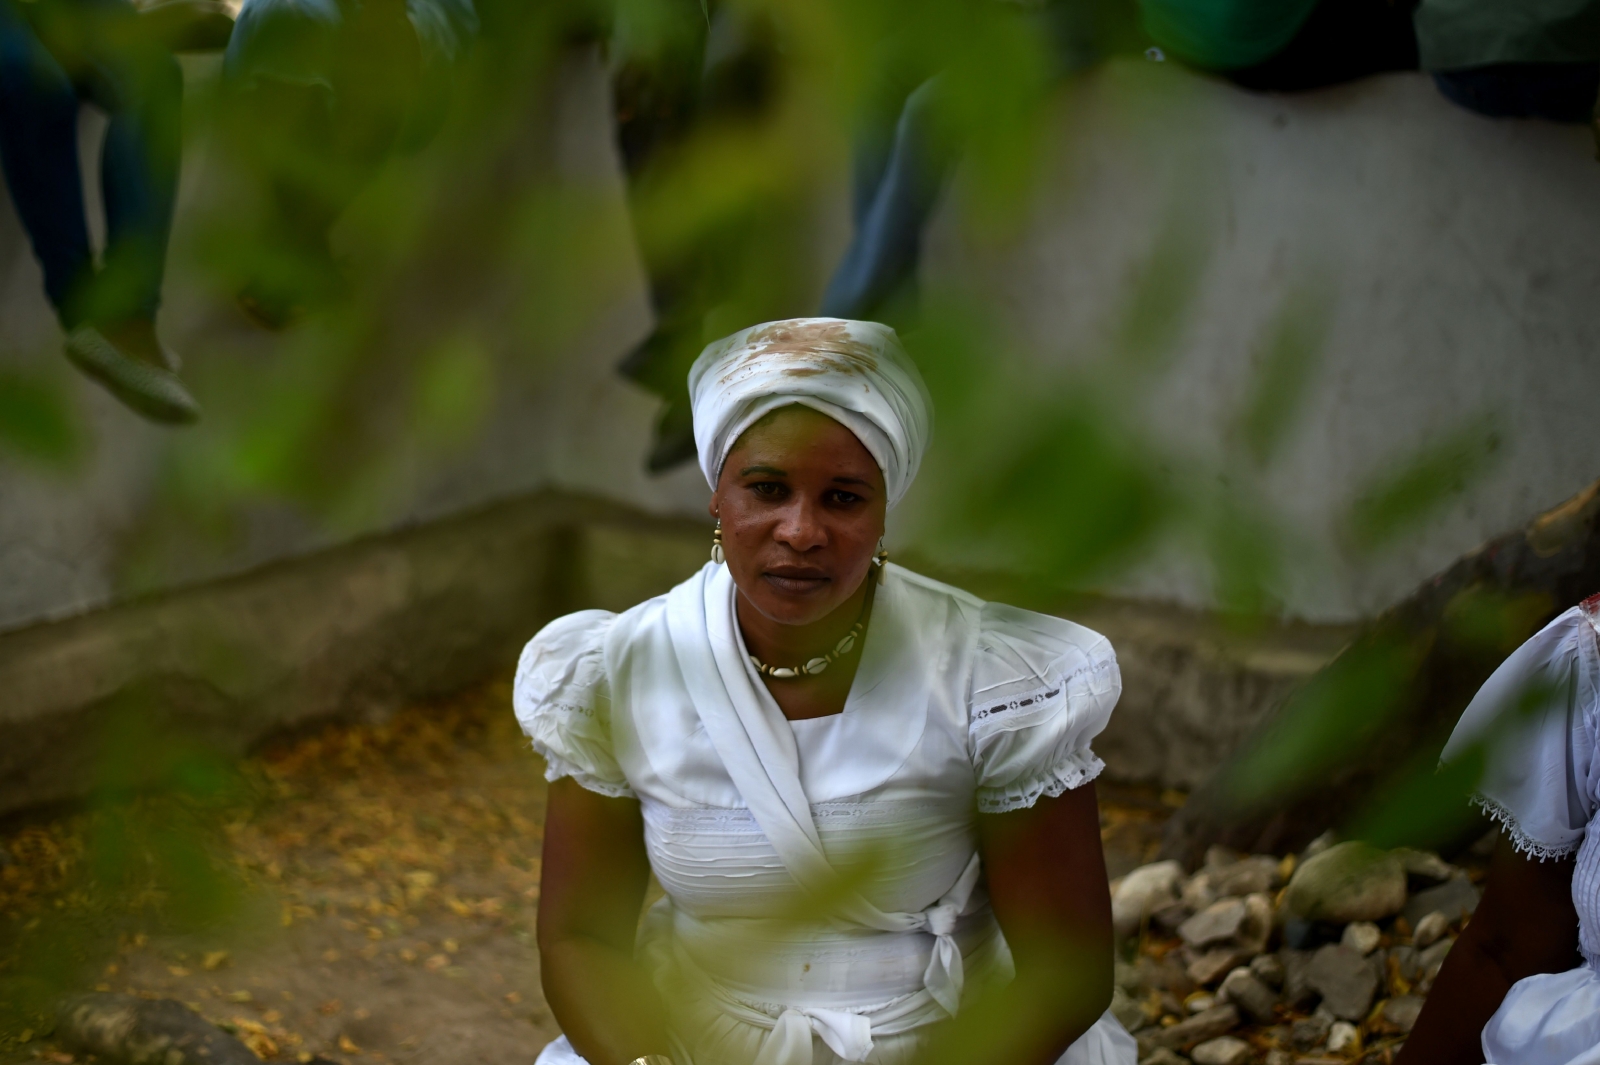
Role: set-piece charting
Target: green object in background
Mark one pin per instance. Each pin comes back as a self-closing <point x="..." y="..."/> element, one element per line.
<point x="1224" y="34"/>
<point x="36" y="422"/>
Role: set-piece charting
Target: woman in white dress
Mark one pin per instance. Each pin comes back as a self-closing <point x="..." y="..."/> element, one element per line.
<point x="1522" y="984"/>
<point x="847" y="778"/>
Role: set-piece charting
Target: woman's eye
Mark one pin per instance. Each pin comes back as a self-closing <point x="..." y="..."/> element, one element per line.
<point x="843" y="498"/>
<point x="768" y="489"/>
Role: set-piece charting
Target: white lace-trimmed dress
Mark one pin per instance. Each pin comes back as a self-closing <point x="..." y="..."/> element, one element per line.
<point x="958" y="706"/>
<point x="1542" y="782"/>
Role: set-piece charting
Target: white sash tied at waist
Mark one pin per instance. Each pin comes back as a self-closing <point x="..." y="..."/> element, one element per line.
<point x="847" y="1032"/>
<point x="848" y="1035"/>
<point x="757" y="748"/>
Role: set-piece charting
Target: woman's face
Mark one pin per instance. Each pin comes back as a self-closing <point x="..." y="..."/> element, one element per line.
<point x="801" y="504"/>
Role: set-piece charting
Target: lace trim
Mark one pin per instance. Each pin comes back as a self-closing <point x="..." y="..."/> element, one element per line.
<point x="557" y="767"/>
<point x="1037" y="696"/>
<point x="1077" y="770"/>
<point x="1520" y="839"/>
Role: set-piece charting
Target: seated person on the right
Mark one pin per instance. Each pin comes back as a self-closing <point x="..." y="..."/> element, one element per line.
<point x="1522" y="984"/>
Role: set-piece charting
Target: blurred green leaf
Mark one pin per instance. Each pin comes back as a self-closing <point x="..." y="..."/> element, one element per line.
<point x="36" y="420"/>
<point x="1326" y="722"/>
<point x="1400" y="497"/>
<point x="455" y="389"/>
<point x="1285" y="365"/>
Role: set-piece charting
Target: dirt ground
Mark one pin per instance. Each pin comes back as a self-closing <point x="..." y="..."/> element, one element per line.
<point x="372" y="895"/>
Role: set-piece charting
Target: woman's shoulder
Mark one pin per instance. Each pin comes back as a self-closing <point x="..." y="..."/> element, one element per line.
<point x="1011" y="647"/>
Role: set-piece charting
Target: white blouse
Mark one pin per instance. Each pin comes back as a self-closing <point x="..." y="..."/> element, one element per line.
<point x="958" y="706"/>
<point x="1537" y="717"/>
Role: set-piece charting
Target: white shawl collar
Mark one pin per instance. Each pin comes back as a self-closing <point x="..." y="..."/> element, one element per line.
<point x="757" y="748"/>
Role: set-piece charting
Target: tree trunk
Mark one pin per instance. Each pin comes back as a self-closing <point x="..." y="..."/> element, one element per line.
<point x="1433" y="650"/>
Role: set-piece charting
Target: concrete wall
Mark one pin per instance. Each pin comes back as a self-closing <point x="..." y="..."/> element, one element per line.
<point x="1456" y="252"/>
<point x="137" y="693"/>
<point x="104" y="530"/>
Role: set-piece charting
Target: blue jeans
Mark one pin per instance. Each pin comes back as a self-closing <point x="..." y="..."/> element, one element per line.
<point x="901" y="160"/>
<point x="64" y="53"/>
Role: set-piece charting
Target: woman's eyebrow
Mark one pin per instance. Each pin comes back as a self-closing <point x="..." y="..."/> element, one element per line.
<point x="771" y="470"/>
<point x="853" y="480"/>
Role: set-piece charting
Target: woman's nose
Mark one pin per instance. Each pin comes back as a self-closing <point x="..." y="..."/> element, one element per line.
<point x="800" y="530"/>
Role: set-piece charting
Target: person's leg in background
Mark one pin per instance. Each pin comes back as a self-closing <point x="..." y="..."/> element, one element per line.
<point x="94" y="48"/>
<point x="39" y="154"/>
<point x="896" y="185"/>
<point x="901" y="163"/>
<point x="140" y="87"/>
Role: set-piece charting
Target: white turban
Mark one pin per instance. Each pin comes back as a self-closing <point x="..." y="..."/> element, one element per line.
<point x="854" y="372"/>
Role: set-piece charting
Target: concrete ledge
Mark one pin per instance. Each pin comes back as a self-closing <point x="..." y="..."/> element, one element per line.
<point x="118" y="697"/>
<point x="1192" y="686"/>
<point x="110" y="699"/>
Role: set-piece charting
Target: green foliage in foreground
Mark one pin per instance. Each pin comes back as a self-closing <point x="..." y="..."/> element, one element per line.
<point x="470" y="268"/>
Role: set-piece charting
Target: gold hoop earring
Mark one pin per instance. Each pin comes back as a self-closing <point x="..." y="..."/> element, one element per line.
<point x="716" y="544"/>
<point x="881" y="560"/>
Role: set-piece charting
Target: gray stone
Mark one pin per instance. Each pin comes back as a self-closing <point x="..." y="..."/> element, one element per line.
<point x="1163" y="1056"/>
<point x="129" y="1029"/>
<point x="1319" y="845"/>
<point x="1429" y="960"/>
<point x="1127" y="1010"/>
<point x="1407" y="961"/>
<point x="1425" y="866"/>
<point x="1199" y="892"/>
<point x="1142" y="892"/>
<point x="1343" y="1038"/>
<point x="1279" y="1056"/>
<point x="1455" y="898"/>
<point x="1297" y="991"/>
<point x="1126" y="976"/>
<point x="1258" y="930"/>
<point x="1224" y="1050"/>
<point x="1362" y="937"/>
<point x="1307" y="1033"/>
<point x="1347" y="882"/>
<point x="1402" y="1011"/>
<point x="1220" y="857"/>
<point x="1200" y="1003"/>
<point x="1246" y="876"/>
<point x="1207" y="967"/>
<point x="1219" y="1020"/>
<point x="1430" y="930"/>
<point x="1164" y="974"/>
<point x="1344" y="979"/>
<point x="1217" y="923"/>
<point x="1255" y="999"/>
<point x="1268" y="968"/>
<point x="1168" y="918"/>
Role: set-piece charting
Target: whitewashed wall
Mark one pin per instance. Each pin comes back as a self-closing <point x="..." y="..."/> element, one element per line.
<point x="1459" y="256"/>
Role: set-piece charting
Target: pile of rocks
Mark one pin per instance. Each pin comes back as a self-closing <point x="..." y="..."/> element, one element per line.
<point x="1322" y="956"/>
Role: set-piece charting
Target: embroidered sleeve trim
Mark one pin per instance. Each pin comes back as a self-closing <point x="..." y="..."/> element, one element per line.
<point x="1076" y="770"/>
<point x="1036" y="697"/>
<point x="557" y="768"/>
<point x="1520" y="839"/>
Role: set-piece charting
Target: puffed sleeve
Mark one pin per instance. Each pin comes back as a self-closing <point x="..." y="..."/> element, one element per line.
<point x="1534" y="722"/>
<point x="1042" y="688"/>
<point x="563" y="702"/>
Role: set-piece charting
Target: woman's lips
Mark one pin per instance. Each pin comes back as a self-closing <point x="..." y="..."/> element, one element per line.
<point x="796" y="581"/>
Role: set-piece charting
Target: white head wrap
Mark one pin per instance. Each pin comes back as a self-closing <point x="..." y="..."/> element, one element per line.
<point x="854" y="372"/>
